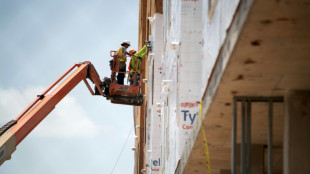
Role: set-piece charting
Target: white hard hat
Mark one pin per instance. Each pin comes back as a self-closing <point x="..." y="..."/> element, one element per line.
<point x="126" y="42"/>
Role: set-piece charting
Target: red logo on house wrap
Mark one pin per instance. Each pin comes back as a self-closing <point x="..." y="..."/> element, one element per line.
<point x="188" y="105"/>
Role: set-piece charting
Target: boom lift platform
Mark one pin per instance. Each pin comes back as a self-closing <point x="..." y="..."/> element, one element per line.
<point x="12" y="133"/>
<point x="120" y="94"/>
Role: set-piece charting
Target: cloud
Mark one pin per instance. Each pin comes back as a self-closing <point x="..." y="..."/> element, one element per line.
<point x="68" y="119"/>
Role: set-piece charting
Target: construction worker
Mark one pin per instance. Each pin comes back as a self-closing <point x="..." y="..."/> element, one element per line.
<point x="121" y="54"/>
<point x="135" y="65"/>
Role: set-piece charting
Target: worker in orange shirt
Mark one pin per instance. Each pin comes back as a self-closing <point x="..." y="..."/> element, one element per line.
<point x="135" y="65"/>
<point x="121" y="54"/>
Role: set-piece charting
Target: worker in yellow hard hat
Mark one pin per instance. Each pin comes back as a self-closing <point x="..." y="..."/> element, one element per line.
<point x="135" y="65"/>
<point x="121" y="54"/>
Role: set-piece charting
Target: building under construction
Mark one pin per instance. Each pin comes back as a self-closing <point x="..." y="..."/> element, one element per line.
<point x="227" y="87"/>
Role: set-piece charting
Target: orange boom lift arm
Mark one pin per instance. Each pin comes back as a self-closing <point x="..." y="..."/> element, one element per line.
<point x="16" y="130"/>
<point x="12" y="133"/>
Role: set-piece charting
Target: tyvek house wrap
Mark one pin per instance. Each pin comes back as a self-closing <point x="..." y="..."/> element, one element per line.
<point x="173" y="83"/>
<point x="186" y="42"/>
<point x="153" y="120"/>
<point x="170" y="130"/>
<point x="189" y="87"/>
<point x="215" y="26"/>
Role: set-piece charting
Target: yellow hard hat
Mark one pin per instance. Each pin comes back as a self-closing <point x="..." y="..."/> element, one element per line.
<point x="132" y="51"/>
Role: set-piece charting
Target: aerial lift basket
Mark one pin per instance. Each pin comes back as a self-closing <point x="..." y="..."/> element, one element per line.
<point x="117" y="93"/>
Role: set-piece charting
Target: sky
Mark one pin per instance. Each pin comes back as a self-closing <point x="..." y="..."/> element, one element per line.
<point x="39" y="41"/>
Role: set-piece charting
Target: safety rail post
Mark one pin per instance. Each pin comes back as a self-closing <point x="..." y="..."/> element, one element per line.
<point x="234" y="137"/>
<point x="114" y="67"/>
<point x="245" y="166"/>
<point x="248" y="166"/>
<point x="270" y="136"/>
<point x="243" y="148"/>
